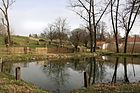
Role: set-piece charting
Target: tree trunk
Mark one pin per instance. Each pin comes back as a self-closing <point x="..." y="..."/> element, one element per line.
<point x="91" y="41"/>
<point x="115" y="24"/>
<point x="91" y="33"/>
<point x="125" y="43"/>
<point x="117" y="45"/>
<point x="8" y="29"/>
<point x="94" y="26"/>
<point x="94" y="49"/>
<point x="60" y="42"/>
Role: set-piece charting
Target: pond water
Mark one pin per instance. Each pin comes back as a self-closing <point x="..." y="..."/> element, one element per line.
<point x="63" y="76"/>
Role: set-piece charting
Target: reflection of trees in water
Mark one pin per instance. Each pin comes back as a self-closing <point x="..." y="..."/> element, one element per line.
<point x="95" y="70"/>
<point x="132" y="59"/>
<point x="114" y="78"/>
<point x="101" y="74"/>
<point x="58" y="73"/>
<point x="125" y="71"/>
<point x="79" y="64"/>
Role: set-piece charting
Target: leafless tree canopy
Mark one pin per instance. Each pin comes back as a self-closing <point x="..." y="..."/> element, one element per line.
<point x="124" y="14"/>
<point x="57" y="30"/>
<point x="4" y="7"/>
<point x="92" y="13"/>
<point x="79" y="37"/>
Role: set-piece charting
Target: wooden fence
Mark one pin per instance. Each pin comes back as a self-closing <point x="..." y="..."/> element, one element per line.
<point x="18" y="50"/>
<point x="27" y="50"/>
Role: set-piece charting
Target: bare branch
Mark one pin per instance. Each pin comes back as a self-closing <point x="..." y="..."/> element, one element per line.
<point x="81" y="16"/>
<point x="11" y="3"/>
<point x="4" y="4"/>
<point x="131" y="13"/>
<point x="2" y="10"/>
<point x="135" y="17"/>
<point x="83" y="5"/>
<point x="103" y="13"/>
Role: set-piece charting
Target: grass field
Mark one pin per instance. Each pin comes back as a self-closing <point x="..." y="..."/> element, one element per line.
<point x="21" y="41"/>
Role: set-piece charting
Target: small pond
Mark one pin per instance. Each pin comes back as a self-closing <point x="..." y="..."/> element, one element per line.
<point x="63" y="76"/>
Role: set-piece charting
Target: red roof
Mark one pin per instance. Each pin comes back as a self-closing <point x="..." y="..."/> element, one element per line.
<point x="132" y="39"/>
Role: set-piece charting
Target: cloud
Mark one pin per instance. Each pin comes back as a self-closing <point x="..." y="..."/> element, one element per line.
<point x="33" y="20"/>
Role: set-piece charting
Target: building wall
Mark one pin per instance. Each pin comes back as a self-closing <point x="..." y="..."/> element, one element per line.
<point x="112" y="48"/>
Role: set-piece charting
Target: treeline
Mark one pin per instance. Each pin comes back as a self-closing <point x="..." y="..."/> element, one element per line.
<point x="60" y="31"/>
<point x="122" y="14"/>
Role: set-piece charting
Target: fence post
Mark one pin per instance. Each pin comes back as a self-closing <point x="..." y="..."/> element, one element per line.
<point x="1" y="61"/>
<point x="85" y="79"/>
<point x="25" y="50"/>
<point x="18" y="73"/>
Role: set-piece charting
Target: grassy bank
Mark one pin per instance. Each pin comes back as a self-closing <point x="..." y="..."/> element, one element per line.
<point x="111" y="88"/>
<point x="120" y="54"/>
<point x="34" y="57"/>
<point x="9" y="85"/>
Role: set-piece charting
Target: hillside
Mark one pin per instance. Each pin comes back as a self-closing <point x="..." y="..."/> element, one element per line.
<point x="19" y="41"/>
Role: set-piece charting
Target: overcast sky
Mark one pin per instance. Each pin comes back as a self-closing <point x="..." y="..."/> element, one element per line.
<point x="32" y="16"/>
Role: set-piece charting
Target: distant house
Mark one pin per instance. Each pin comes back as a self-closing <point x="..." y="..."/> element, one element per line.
<point x="131" y="40"/>
<point x="110" y="46"/>
<point x="100" y="44"/>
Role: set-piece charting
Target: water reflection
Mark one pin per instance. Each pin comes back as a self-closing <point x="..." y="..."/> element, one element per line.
<point x="58" y="73"/>
<point x="125" y="72"/>
<point x="114" y="78"/>
<point x="62" y="76"/>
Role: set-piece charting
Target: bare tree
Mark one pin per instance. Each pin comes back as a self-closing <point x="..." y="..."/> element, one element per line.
<point x="75" y="38"/>
<point x="61" y="27"/>
<point x="101" y="30"/>
<point x="49" y="32"/>
<point x="79" y="37"/>
<point x="5" y="4"/>
<point x="86" y="10"/>
<point x="84" y="37"/>
<point x="114" y="18"/>
<point x="83" y="9"/>
<point x="128" y="16"/>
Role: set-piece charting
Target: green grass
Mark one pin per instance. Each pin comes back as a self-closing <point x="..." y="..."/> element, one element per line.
<point x="8" y="83"/>
<point x="110" y="88"/>
<point x="1" y="40"/>
<point x="21" y="41"/>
